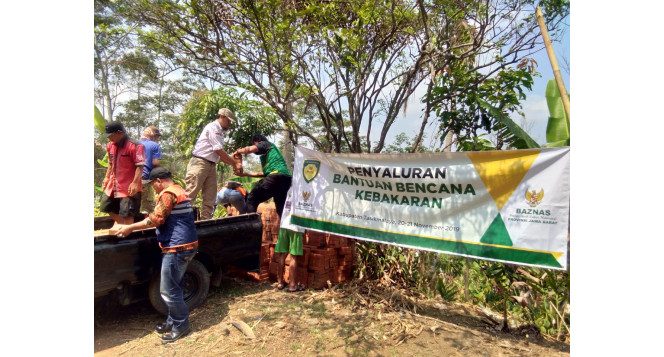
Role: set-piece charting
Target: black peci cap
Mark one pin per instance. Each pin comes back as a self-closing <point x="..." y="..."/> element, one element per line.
<point x="158" y="173"/>
<point x="113" y="127"/>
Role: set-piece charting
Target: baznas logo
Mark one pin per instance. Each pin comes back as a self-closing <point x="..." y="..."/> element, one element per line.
<point x="306" y="195"/>
<point x="534" y="198"/>
<point x="310" y="169"/>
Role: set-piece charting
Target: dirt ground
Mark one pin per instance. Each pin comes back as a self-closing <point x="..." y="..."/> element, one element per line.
<point x="350" y="320"/>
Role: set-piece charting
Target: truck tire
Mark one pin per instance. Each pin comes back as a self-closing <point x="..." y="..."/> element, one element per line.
<point x="196" y="283"/>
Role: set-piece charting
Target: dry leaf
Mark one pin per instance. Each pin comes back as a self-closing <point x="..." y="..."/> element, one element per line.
<point x="246" y="330"/>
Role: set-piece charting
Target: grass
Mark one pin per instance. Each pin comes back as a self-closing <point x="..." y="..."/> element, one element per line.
<point x="294" y="347"/>
<point x="221" y="311"/>
<point x="294" y="305"/>
<point x="359" y="351"/>
<point x="318" y="309"/>
<point x="230" y="291"/>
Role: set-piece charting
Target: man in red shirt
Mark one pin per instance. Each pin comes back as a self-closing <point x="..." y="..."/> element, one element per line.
<point x="122" y="185"/>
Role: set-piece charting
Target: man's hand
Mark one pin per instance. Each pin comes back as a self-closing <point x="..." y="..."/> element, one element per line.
<point x="104" y="183"/>
<point x="133" y="189"/>
<point x="123" y="230"/>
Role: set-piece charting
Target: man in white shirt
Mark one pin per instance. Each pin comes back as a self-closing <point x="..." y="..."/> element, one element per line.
<point x="202" y="168"/>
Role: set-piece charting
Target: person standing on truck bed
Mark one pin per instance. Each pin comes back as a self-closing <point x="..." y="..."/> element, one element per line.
<point x="202" y="168"/>
<point x="150" y="139"/>
<point x="277" y="179"/>
<point x="122" y="184"/>
<point x="176" y="233"/>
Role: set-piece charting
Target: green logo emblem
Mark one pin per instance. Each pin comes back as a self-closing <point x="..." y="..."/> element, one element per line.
<point x="310" y="170"/>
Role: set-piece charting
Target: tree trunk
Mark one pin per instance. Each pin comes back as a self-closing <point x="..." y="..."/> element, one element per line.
<point x="288" y="140"/>
<point x="107" y="109"/>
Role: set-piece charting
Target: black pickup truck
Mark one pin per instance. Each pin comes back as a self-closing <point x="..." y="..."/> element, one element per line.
<point x="128" y="269"/>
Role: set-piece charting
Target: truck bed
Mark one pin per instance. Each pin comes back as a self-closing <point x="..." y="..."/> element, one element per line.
<point x="136" y="259"/>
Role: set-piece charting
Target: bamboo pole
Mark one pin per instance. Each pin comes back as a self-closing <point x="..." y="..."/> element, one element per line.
<point x="554" y="62"/>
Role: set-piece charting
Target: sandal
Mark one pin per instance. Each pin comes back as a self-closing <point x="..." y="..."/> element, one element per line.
<point x="297" y="288"/>
<point x="281" y="286"/>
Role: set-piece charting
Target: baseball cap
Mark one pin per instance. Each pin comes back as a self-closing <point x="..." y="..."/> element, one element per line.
<point x="113" y="127"/>
<point x="227" y="113"/>
<point x="158" y="173"/>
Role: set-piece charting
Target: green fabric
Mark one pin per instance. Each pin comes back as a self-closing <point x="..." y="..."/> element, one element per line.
<point x="273" y="162"/>
<point x="289" y="242"/>
<point x="453" y="246"/>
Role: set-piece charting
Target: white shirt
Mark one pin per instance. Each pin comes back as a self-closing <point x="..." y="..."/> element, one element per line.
<point x="211" y="139"/>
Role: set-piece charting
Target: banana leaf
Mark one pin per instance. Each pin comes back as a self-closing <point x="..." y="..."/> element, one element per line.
<point x="103" y="162"/>
<point x="557" y="129"/>
<point x="518" y="138"/>
<point x="100" y="122"/>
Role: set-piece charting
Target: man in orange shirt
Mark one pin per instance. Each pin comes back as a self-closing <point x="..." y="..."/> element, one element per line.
<point x="178" y="239"/>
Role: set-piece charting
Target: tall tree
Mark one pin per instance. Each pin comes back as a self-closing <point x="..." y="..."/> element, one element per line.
<point x="356" y="62"/>
<point x="113" y="38"/>
<point x="480" y="56"/>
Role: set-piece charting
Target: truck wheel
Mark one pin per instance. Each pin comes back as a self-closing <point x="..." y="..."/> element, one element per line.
<point x="196" y="283"/>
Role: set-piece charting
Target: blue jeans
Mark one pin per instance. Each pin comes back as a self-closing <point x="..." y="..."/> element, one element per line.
<point x="234" y="197"/>
<point x="173" y="267"/>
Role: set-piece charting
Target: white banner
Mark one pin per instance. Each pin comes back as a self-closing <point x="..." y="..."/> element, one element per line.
<point x="509" y="206"/>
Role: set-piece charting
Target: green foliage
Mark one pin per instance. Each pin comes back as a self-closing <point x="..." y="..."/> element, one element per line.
<point x="447" y="291"/>
<point x="103" y="162"/>
<point x="403" y="144"/>
<point x="475" y="143"/>
<point x="557" y="128"/>
<point x="521" y="294"/>
<point x="470" y="105"/>
<point x="180" y="182"/>
<point x="100" y="122"/>
<point x="550" y="298"/>
<point x="248" y="182"/>
<point x="251" y="116"/>
<point x="508" y="130"/>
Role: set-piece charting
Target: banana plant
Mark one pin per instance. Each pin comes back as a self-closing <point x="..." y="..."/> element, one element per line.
<point x="557" y="128"/>
<point x="510" y="131"/>
<point x="100" y="123"/>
